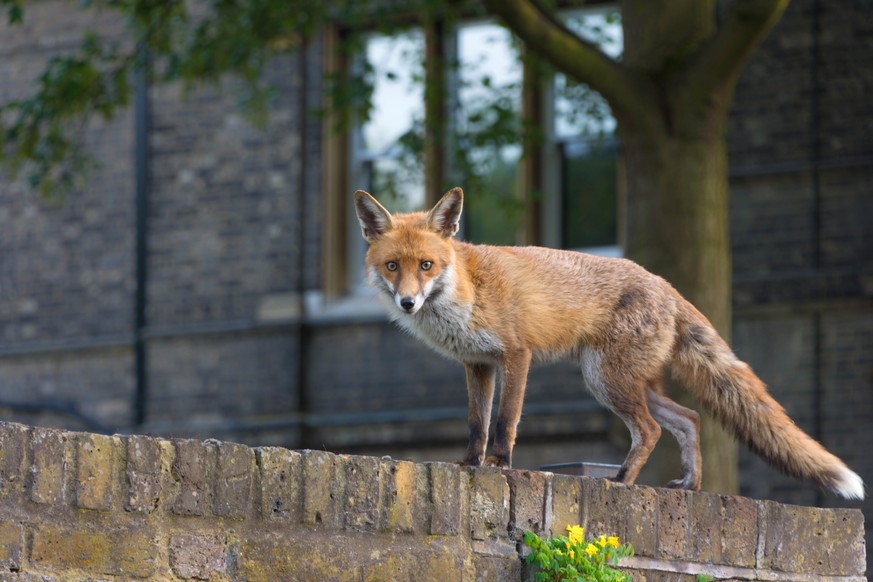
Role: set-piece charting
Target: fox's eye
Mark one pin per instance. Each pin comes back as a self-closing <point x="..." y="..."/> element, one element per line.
<point x="391" y="266"/>
<point x="426" y="265"/>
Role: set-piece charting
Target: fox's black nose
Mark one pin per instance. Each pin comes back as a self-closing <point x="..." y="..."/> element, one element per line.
<point x="407" y="303"/>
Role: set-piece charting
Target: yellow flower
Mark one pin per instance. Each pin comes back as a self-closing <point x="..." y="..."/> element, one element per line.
<point x="572" y="554"/>
<point x="601" y="542"/>
<point x="577" y="533"/>
<point x="590" y="549"/>
<point x="612" y="541"/>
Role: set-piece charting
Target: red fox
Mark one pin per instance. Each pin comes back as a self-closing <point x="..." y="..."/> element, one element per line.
<point x="497" y="310"/>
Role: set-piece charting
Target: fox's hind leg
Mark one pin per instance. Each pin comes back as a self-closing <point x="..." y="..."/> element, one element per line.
<point x="626" y="397"/>
<point x="644" y="431"/>
<point x="684" y="424"/>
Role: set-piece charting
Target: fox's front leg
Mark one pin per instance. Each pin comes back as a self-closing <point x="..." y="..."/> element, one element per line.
<point x="480" y="392"/>
<point x="514" y="367"/>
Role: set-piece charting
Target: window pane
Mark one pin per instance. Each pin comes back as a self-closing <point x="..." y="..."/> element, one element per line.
<point x="388" y="152"/>
<point x="590" y="210"/>
<point x="386" y="159"/>
<point x="579" y="111"/>
<point x="584" y="129"/>
<point x="488" y="131"/>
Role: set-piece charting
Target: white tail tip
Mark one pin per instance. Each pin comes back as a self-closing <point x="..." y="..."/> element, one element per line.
<point x="850" y="486"/>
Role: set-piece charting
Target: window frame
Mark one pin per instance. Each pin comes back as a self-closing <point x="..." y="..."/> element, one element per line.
<point x="539" y="178"/>
<point x="335" y="176"/>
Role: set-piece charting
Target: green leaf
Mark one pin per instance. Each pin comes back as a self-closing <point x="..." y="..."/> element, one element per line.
<point x="16" y="14"/>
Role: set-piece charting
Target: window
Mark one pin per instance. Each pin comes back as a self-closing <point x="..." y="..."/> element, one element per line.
<point x="487" y="109"/>
<point x="585" y="149"/>
<point x="388" y="164"/>
<point x="560" y="192"/>
<point x="385" y="159"/>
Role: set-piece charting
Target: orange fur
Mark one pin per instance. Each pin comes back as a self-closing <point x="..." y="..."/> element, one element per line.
<point x="499" y="309"/>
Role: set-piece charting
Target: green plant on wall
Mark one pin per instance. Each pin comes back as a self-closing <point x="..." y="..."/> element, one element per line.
<point x="571" y="558"/>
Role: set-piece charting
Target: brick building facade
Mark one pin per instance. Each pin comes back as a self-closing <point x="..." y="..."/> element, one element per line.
<point x="180" y="292"/>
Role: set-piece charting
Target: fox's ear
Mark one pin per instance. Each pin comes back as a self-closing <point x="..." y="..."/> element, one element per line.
<point x="375" y="220"/>
<point x="445" y="217"/>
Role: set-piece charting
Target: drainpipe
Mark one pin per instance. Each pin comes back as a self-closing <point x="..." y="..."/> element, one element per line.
<point x="303" y="328"/>
<point x="815" y="128"/>
<point x="141" y="161"/>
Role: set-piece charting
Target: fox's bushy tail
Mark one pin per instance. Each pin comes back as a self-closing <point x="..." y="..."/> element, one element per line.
<point x="730" y="390"/>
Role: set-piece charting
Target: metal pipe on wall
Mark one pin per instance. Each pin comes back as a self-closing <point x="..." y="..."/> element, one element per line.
<point x="141" y="163"/>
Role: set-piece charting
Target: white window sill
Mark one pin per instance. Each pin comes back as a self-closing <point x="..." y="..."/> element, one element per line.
<point x="361" y="306"/>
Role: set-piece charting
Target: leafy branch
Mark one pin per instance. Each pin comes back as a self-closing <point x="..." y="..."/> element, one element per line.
<point x="42" y="135"/>
<point x="44" y="132"/>
<point x="173" y="41"/>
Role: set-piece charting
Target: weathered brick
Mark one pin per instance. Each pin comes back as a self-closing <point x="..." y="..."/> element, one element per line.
<point x="10" y="546"/>
<point x="438" y="567"/>
<point x="660" y="576"/>
<point x="281" y="483"/>
<point x="400" y="496"/>
<point x="426" y="566"/>
<point x="782" y="530"/>
<point x="566" y="504"/>
<point x="143" y="473"/>
<point x="198" y="556"/>
<point x="527" y="497"/>
<point x="321" y="489"/>
<point x="673" y="523"/>
<point x="25" y="577"/>
<point x="739" y="534"/>
<point x="232" y="486"/>
<point x="811" y="540"/>
<point x="445" y="498"/>
<point x="96" y="470"/>
<point x="193" y="467"/>
<point x="603" y="513"/>
<point x="13" y="439"/>
<point x="639" y="505"/>
<point x="846" y="547"/>
<point x="497" y="569"/>
<point x="706" y="525"/>
<point x="119" y="553"/>
<point x="279" y="556"/>
<point x="489" y="504"/>
<point x="48" y="468"/>
<point x="362" y="492"/>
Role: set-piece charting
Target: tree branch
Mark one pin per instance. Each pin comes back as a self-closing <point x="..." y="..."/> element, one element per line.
<point x="719" y="61"/>
<point x="563" y="49"/>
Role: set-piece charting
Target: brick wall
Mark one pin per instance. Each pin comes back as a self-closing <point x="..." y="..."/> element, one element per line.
<point x="223" y="228"/>
<point x="801" y="160"/>
<point x="223" y="202"/>
<point x="65" y="268"/>
<point x="75" y="506"/>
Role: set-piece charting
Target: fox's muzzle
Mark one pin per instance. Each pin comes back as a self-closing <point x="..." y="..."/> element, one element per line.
<point x="409" y="303"/>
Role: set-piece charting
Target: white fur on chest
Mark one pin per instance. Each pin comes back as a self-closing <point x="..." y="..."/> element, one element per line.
<point x="445" y="324"/>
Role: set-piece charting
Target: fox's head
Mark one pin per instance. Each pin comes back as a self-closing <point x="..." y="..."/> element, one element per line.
<point x="410" y="256"/>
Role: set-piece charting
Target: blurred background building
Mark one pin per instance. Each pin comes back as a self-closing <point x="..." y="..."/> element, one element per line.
<point x="207" y="282"/>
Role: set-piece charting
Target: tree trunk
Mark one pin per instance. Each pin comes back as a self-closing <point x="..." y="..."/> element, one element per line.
<point x="676" y="206"/>
<point x="677" y="226"/>
<point x="670" y="94"/>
